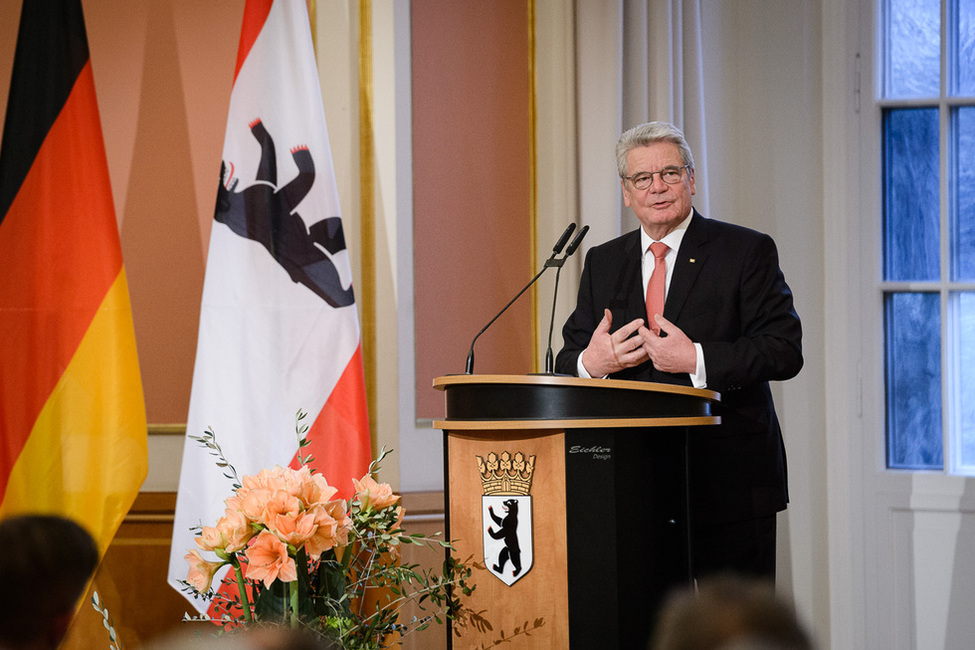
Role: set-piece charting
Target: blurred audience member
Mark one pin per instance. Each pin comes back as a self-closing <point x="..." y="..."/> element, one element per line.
<point x="263" y="637"/>
<point x="46" y="562"/>
<point x="729" y="613"/>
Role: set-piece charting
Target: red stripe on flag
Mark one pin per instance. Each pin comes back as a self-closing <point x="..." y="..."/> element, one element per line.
<point x="255" y="15"/>
<point x="60" y="251"/>
<point x="339" y="437"/>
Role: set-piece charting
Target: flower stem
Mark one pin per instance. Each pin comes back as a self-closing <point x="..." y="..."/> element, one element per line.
<point x="244" y="603"/>
<point x="293" y="591"/>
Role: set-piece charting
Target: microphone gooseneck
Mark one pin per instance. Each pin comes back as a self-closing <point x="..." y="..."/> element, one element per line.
<point x="549" y="359"/>
<point x="559" y="245"/>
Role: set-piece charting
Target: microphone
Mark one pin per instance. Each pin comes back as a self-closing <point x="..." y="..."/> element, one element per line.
<point x="549" y="360"/>
<point x="575" y="242"/>
<point x="559" y="245"/>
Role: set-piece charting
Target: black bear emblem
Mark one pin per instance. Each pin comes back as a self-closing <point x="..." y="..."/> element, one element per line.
<point x="268" y="214"/>
<point x="508" y="531"/>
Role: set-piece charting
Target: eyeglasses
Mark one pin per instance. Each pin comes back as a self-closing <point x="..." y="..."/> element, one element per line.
<point x="669" y="175"/>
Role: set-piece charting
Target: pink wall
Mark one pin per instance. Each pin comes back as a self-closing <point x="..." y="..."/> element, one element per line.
<point x="471" y="188"/>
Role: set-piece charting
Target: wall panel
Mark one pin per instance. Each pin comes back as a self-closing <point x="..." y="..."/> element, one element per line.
<point x="471" y="188"/>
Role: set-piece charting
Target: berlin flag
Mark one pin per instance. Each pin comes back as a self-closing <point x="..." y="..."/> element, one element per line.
<point x="72" y="415"/>
<point x="278" y="325"/>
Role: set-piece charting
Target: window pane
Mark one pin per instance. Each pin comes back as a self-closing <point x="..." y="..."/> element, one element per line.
<point x="964" y="402"/>
<point x="964" y="56"/>
<point x="911" y="199"/>
<point x="914" y="432"/>
<point x="963" y="199"/>
<point x="913" y="48"/>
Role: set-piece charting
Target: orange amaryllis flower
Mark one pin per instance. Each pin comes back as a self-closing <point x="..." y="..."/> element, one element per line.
<point x="293" y="530"/>
<point x="235" y="529"/>
<point x="210" y="539"/>
<point x="339" y="511"/>
<point x="266" y="479"/>
<point x="324" y="537"/>
<point x="201" y="571"/>
<point x="268" y="560"/>
<point x="371" y="494"/>
<point x="314" y="488"/>
<point x="231" y="533"/>
<point x="252" y="503"/>
<point x="281" y="504"/>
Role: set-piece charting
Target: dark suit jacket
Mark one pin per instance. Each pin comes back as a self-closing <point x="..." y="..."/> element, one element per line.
<point x="728" y="294"/>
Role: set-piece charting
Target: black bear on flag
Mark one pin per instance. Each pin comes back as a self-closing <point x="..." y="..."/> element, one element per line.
<point x="268" y="214"/>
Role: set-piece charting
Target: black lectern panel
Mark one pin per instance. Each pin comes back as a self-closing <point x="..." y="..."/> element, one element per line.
<point x="626" y="528"/>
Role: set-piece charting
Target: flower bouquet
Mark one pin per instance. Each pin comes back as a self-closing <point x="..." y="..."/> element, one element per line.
<point x="303" y="558"/>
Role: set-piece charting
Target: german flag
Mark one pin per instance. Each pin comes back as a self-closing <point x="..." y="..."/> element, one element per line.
<point x="72" y="415"/>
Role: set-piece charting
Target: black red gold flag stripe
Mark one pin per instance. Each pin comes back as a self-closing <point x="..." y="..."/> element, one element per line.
<point x="72" y="414"/>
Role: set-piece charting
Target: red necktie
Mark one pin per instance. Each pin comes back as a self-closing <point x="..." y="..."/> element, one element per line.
<point x="656" y="288"/>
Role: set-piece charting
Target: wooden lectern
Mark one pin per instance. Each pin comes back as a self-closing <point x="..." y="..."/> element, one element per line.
<point x="573" y="492"/>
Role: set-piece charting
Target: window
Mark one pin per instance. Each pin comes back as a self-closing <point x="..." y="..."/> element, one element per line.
<point x="928" y="140"/>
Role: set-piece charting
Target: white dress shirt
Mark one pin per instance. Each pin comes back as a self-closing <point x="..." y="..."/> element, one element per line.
<point x="672" y="240"/>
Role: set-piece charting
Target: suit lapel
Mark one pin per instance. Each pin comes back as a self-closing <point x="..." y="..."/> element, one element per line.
<point x="635" y="301"/>
<point x="690" y="260"/>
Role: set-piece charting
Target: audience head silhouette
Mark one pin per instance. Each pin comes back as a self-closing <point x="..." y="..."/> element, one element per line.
<point x="263" y="637"/>
<point x="46" y="562"/>
<point x="729" y="613"/>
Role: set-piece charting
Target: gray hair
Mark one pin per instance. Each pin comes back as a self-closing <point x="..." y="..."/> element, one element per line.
<point x="647" y="134"/>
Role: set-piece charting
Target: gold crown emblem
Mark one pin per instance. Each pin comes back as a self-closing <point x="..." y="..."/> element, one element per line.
<point x="506" y="475"/>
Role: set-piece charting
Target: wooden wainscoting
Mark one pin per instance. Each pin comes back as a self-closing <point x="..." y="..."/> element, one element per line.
<point x="131" y="581"/>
